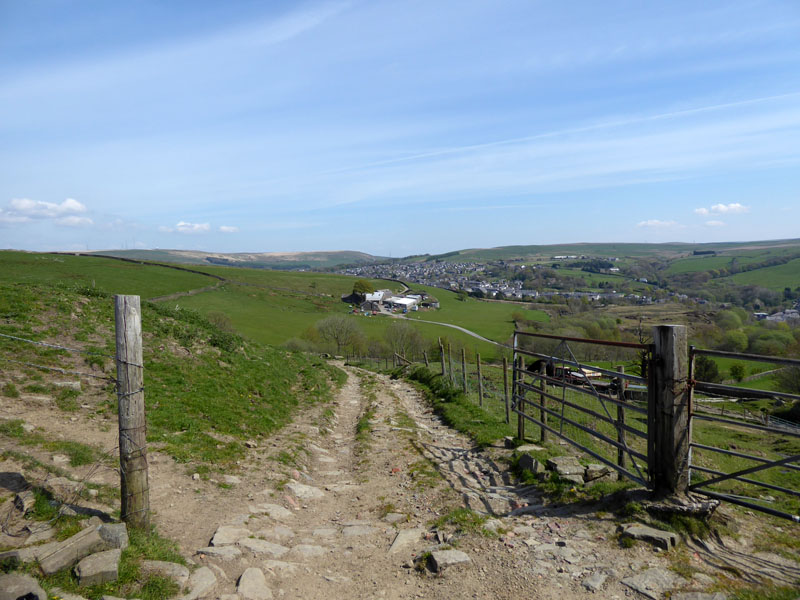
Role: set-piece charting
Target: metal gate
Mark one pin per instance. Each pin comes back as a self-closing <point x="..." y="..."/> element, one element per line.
<point x="601" y="411"/>
<point x="772" y="464"/>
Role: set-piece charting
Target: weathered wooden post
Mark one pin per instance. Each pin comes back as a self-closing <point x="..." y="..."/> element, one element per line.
<point x="135" y="490"/>
<point x="668" y="410"/>
<point x="620" y="417"/>
<point x="425" y="356"/>
<point x="450" y="364"/>
<point x="521" y="400"/>
<point x="464" y="370"/>
<point x="480" y="381"/>
<point x="441" y="352"/>
<point x="543" y="401"/>
<point x="505" y="389"/>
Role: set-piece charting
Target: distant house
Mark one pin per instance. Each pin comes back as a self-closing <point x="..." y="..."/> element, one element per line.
<point x="379" y="296"/>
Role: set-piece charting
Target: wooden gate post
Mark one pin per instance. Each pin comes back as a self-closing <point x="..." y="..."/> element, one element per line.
<point x="668" y="392"/>
<point x="521" y="400"/>
<point x="505" y="389"/>
<point x="480" y="381"/>
<point x="620" y="417"/>
<point x="135" y="490"/>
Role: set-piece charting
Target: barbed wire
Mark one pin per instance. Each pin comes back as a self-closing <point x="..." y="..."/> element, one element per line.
<point x="59" y="370"/>
<point x="56" y="346"/>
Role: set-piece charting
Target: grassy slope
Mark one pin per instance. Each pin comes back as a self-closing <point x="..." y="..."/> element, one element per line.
<point x="492" y="320"/>
<point x="200" y="381"/>
<point x="104" y="274"/>
<point x="775" y="278"/>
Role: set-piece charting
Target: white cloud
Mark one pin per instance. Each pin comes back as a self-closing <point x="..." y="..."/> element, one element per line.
<point x="722" y="209"/>
<point x="186" y="227"/>
<point x="25" y="210"/>
<point x="656" y="223"/>
<point x="715" y="223"/>
<point x="75" y="221"/>
<point x="228" y="229"/>
<point x="43" y="210"/>
<point x="733" y="208"/>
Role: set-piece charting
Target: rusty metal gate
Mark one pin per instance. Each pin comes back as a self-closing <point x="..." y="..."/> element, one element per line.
<point x="771" y="464"/>
<point x="602" y="412"/>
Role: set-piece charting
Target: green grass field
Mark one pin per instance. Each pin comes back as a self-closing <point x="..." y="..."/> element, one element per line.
<point x="108" y="275"/>
<point x="775" y="278"/>
<point x="491" y="320"/>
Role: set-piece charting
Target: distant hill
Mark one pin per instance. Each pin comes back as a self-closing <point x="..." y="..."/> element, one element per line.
<point x="254" y="260"/>
<point x="669" y="250"/>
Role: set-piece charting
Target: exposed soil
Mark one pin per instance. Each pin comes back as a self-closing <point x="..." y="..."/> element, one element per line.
<point x="318" y="506"/>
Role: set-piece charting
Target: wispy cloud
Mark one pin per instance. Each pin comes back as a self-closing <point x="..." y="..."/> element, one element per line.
<point x="228" y="229"/>
<point x="723" y="209"/>
<point x="715" y="223"/>
<point x="657" y="223"/>
<point x="186" y="227"/>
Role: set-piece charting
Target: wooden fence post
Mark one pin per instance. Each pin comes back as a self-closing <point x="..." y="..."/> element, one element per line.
<point x="620" y="417"/>
<point x="505" y="389"/>
<point x="464" y="370"/>
<point x="450" y="364"/>
<point x="543" y="402"/>
<point x="668" y="410"/>
<point x="135" y="490"/>
<point x="521" y="400"/>
<point x="425" y="356"/>
<point x="480" y="381"/>
<point x="441" y="352"/>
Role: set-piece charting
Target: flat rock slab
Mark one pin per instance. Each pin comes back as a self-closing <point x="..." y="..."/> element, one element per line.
<point x="405" y="538"/>
<point x="274" y="511"/>
<point x="67" y="553"/>
<point x="529" y="448"/>
<point x="594" y="583"/>
<point x="393" y="518"/>
<point x="565" y="465"/>
<point x="167" y="569"/>
<point x="357" y="530"/>
<point x="305" y="492"/>
<point x="653" y="583"/>
<point x="659" y="538"/>
<point x="308" y="551"/>
<point x="228" y="534"/>
<point x="324" y="532"/>
<point x="443" y="559"/>
<point x="14" y="586"/>
<point x="530" y="464"/>
<point x="279" y="567"/>
<point x="102" y="567"/>
<point x="257" y="546"/>
<point x="252" y="585"/>
<point x="115" y="535"/>
<point x="200" y="583"/>
<point x="221" y="552"/>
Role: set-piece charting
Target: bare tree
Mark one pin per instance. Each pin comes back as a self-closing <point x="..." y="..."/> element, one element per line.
<point x="404" y="339"/>
<point x="340" y="330"/>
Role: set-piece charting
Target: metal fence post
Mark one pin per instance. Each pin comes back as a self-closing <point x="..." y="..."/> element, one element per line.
<point x="668" y="410"/>
<point x="543" y="402"/>
<point x="620" y="417"/>
<point x="450" y="363"/>
<point x="520" y="400"/>
<point x="134" y="487"/>
<point x="505" y="389"/>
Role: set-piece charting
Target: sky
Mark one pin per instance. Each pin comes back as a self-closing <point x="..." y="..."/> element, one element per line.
<point x="396" y="127"/>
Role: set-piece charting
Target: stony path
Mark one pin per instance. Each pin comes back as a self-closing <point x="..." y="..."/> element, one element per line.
<point x="344" y="503"/>
<point x="350" y="522"/>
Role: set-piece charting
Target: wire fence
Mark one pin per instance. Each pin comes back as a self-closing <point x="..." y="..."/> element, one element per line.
<point x="65" y="492"/>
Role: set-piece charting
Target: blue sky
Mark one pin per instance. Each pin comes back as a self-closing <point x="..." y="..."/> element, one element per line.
<point x="396" y="128"/>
